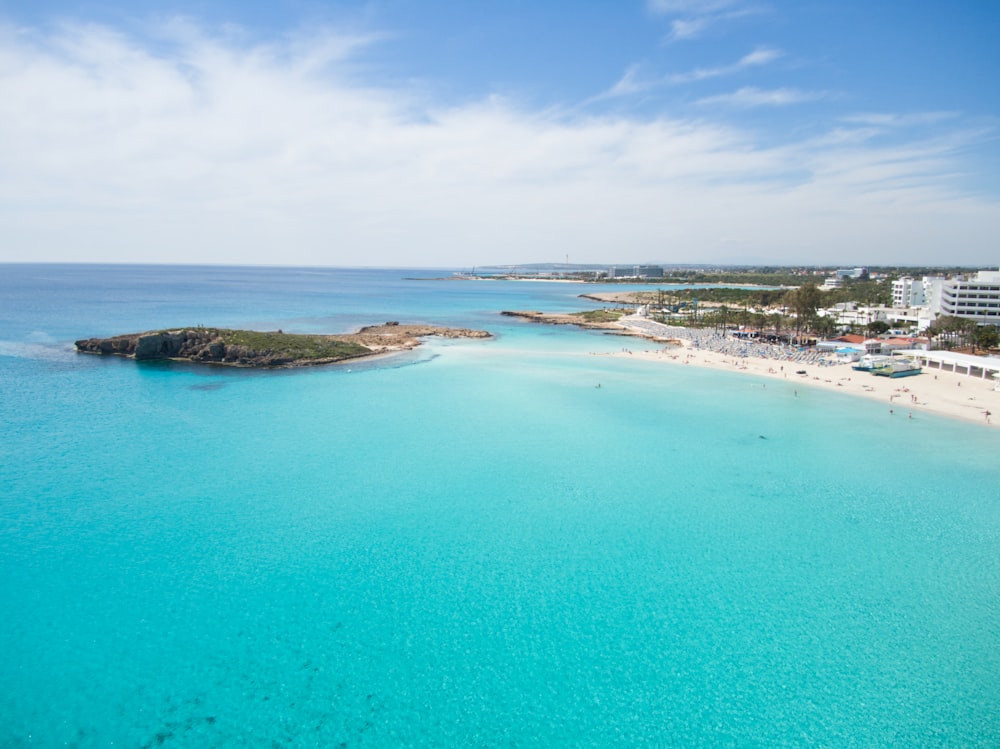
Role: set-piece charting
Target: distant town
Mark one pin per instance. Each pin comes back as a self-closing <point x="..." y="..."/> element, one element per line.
<point x="934" y="308"/>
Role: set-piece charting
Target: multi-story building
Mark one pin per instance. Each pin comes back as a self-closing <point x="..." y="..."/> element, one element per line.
<point x="932" y="294"/>
<point x="908" y="292"/>
<point x="976" y="298"/>
<point x="851" y="273"/>
<point x="635" y="271"/>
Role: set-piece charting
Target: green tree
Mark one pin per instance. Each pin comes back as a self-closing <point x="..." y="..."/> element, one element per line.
<point x="987" y="336"/>
<point x="947" y="331"/>
<point x="776" y="320"/>
<point x="804" y="301"/>
<point x="825" y="326"/>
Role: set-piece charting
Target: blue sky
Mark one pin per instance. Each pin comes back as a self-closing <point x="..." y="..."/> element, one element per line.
<point x="457" y="134"/>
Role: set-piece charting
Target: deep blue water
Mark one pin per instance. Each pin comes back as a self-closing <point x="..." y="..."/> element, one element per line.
<point x="470" y="544"/>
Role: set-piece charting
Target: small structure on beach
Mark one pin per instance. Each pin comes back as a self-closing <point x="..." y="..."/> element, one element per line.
<point x="982" y="367"/>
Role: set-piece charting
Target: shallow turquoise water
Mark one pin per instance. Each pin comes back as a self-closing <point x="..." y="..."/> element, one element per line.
<point x="471" y="544"/>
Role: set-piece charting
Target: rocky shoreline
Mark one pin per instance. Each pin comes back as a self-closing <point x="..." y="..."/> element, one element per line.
<point x="560" y="318"/>
<point x="246" y="348"/>
<point x="612" y="327"/>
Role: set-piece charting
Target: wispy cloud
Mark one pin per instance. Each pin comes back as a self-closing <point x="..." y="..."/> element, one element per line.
<point x="694" y="27"/>
<point x="628" y="84"/>
<point x="899" y="120"/>
<point x="749" y="96"/>
<point x="692" y="18"/>
<point x="688" y="28"/>
<point x="760" y="56"/>
<point x="210" y="149"/>
<point x="632" y="83"/>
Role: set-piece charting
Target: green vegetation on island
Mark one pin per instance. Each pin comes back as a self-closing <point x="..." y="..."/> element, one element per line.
<point x="290" y="345"/>
<point x="251" y="348"/>
<point x="601" y="315"/>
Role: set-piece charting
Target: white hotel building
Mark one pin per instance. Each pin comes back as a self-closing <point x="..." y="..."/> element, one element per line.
<point x="975" y="298"/>
<point x="908" y="292"/>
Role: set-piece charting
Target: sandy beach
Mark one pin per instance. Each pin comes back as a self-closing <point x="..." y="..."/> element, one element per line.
<point x="943" y="393"/>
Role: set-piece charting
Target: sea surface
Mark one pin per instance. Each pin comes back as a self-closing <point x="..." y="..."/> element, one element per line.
<point x="471" y="544"/>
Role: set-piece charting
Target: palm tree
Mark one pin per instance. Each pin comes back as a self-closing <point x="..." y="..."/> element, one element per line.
<point x="826" y="326"/>
<point x="776" y="318"/>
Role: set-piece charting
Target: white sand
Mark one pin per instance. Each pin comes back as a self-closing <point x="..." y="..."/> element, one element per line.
<point x="943" y="393"/>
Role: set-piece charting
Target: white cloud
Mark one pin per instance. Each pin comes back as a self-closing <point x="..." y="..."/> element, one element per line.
<point x="209" y="150"/>
<point x="760" y="56"/>
<point x="694" y="27"/>
<point x="749" y="96"/>
<point x="628" y="84"/>
<point x="692" y="18"/>
<point x="898" y="120"/>
<point x="687" y="28"/>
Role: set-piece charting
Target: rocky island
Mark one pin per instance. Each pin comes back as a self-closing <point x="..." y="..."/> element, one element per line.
<point x="249" y="348"/>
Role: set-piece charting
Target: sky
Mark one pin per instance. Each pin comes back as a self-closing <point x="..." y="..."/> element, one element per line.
<point x="424" y="133"/>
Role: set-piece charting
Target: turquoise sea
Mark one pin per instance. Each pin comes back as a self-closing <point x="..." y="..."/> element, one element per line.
<point x="471" y="544"/>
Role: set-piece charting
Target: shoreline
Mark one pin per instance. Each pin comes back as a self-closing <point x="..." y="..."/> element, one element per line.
<point x="942" y="393"/>
<point x="936" y="392"/>
<point x="604" y="281"/>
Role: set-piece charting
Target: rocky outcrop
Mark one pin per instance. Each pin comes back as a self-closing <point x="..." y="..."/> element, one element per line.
<point x="392" y="335"/>
<point x="165" y="345"/>
<point x="267" y="349"/>
<point x="193" y="343"/>
<point x="559" y="318"/>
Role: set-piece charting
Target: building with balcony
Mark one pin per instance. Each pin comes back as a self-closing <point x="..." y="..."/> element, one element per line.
<point x="976" y="298"/>
<point x="908" y="292"/>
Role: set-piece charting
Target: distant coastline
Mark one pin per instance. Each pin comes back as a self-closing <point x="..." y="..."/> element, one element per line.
<point x="604" y="281"/>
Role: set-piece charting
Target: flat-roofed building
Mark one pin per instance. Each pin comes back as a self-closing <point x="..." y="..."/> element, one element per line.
<point x="908" y="292"/>
<point x="976" y="298"/>
<point x="932" y="294"/>
<point x="983" y="367"/>
<point x="851" y="272"/>
<point x="635" y="271"/>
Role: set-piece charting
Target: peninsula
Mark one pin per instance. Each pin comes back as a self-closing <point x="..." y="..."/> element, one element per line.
<point x="599" y="319"/>
<point x="249" y="348"/>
